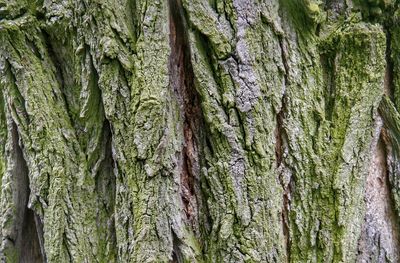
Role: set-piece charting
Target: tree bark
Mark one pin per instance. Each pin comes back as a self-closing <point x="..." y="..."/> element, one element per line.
<point x="200" y="131"/>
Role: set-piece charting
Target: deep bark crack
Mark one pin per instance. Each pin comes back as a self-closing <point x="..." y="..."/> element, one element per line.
<point x="182" y="83"/>
<point x="27" y="243"/>
<point x="379" y="238"/>
<point x="181" y="78"/>
<point x="279" y="150"/>
<point x="106" y="189"/>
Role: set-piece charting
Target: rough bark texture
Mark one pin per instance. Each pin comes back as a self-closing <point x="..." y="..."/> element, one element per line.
<point x="200" y="131"/>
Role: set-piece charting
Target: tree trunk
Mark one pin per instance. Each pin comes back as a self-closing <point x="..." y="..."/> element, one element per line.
<point x="200" y="131"/>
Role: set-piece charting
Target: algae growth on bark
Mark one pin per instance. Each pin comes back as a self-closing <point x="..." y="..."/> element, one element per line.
<point x="200" y="131"/>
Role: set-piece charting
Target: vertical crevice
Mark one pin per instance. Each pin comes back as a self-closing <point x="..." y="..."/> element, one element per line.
<point x="280" y="144"/>
<point x="39" y="230"/>
<point x="327" y="61"/>
<point x="182" y="83"/>
<point x="389" y="243"/>
<point x="390" y="136"/>
<point x="284" y="181"/>
<point x="55" y="59"/>
<point x="59" y="71"/>
<point x="385" y="245"/>
<point x="106" y="192"/>
<point x="181" y="80"/>
<point x="31" y="250"/>
<point x="25" y="229"/>
<point x="379" y="240"/>
<point x="177" y="256"/>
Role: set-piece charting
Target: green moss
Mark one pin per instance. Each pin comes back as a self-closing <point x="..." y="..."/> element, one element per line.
<point x="214" y="27"/>
<point x="304" y="14"/>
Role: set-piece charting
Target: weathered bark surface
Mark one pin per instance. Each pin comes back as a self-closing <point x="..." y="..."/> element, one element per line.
<point x="200" y="131"/>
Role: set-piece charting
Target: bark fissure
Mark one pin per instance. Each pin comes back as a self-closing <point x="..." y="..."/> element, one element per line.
<point x="177" y="256"/>
<point x="379" y="240"/>
<point x="39" y="229"/>
<point x="391" y="135"/>
<point x="24" y="234"/>
<point x="279" y="152"/>
<point x="328" y="68"/>
<point x="286" y="185"/>
<point x="182" y="83"/>
<point x="53" y="56"/>
<point x="106" y="192"/>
